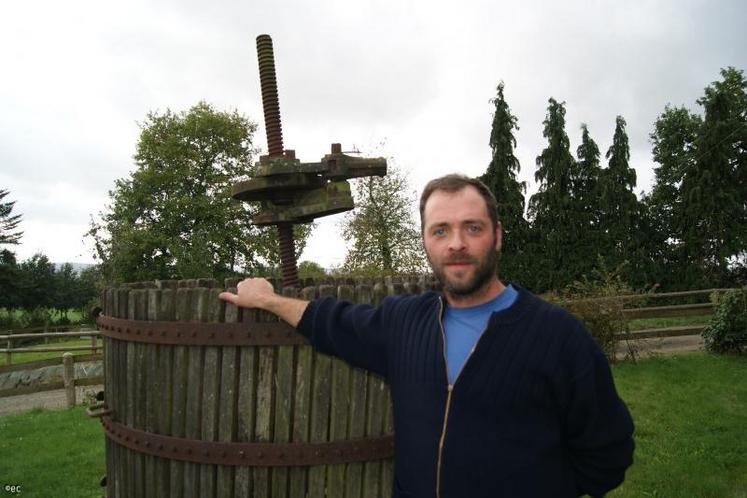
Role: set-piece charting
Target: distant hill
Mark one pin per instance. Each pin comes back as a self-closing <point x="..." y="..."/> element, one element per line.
<point x="78" y="267"/>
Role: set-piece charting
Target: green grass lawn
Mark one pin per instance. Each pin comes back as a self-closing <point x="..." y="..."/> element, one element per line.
<point x="674" y="321"/>
<point x="690" y="413"/>
<point x="52" y="453"/>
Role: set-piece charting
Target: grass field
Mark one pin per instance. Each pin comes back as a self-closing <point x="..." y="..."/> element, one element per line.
<point x="674" y="321"/>
<point x="26" y="357"/>
<point x="690" y="413"/>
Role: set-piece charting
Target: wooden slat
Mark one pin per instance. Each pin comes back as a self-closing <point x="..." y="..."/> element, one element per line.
<point x="229" y="379"/>
<point x="246" y="410"/>
<point x="264" y="415"/>
<point x="320" y="408"/>
<point x="131" y="458"/>
<point x="679" y="331"/>
<point x="193" y="406"/>
<point x="166" y="311"/>
<point x="210" y="393"/>
<point x="179" y="394"/>
<point x="302" y="406"/>
<point x="33" y="365"/>
<point x="140" y="298"/>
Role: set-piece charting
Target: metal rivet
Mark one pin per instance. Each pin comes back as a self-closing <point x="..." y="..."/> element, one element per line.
<point x="194" y="334"/>
<point x="267" y="334"/>
<point x="150" y="333"/>
<point x="206" y="453"/>
<point x="212" y="335"/>
<point x="178" y="334"/>
<point x="160" y="446"/>
<point x="259" y="454"/>
<point x="163" y="333"/>
<point x="223" y="454"/>
<point x="242" y="454"/>
<point x="189" y="451"/>
<point x="137" y="331"/>
<point x="248" y="335"/>
<point x="230" y="335"/>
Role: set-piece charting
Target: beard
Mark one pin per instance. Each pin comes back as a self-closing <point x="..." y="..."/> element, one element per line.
<point x="484" y="270"/>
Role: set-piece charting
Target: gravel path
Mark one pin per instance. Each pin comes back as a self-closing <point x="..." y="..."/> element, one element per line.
<point x="46" y="399"/>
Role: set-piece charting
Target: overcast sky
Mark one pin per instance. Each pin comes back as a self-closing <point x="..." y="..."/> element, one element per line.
<point x="416" y="76"/>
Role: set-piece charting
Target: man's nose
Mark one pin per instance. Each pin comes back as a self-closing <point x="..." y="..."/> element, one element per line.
<point x="456" y="241"/>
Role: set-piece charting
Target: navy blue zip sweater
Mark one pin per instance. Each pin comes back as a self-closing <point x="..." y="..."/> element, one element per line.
<point x="534" y="412"/>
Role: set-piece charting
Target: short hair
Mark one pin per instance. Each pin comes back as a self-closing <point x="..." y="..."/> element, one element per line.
<point x="454" y="183"/>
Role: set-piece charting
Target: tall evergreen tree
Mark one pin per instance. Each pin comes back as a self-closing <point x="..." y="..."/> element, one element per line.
<point x="714" y="192"/>
<point x="553" y="228"/>
<point x="500" y="177"/>
<point x="8" y="222"/>
<point x="586" y="198"/>
<point x="620" y="206"/>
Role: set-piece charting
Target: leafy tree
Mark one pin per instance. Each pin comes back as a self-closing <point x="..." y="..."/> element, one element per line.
<point x="674" y="136"/>
<point x="714" y="211"/>
<point x="37" y="283"/>
<point x="381" y="231"/>
<point x="174" y="216"/>
<point x="550" y="209"/>
<point x="500" y="177"/>
<point x="8" y="222"/>
<point x="310" y="269"/>
<point x="620" y="206"/>
<point x="66" y="289"/>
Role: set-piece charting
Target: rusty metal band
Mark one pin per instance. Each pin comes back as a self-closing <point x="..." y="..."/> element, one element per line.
<point x="249" y="454"/>
<point x="200" y="333"/>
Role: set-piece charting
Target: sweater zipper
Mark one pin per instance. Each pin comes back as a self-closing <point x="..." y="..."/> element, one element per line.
<point x="450" y="389"/>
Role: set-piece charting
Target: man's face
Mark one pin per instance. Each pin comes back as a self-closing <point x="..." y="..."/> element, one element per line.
<point x="460" y="241"/>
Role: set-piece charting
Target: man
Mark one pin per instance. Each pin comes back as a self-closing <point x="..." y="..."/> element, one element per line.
<point x="494" y="391"/>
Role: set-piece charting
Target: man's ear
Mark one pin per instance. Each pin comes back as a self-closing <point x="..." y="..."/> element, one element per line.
<point x="498" y="236"/>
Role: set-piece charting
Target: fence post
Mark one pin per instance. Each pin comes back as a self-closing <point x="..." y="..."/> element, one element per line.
<point x="93" y="344"/>
<point x="68" y="377"/>
<point x="10" y="346"/>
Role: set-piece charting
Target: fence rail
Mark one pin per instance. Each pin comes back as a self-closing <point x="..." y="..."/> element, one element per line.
<point x="9" y="339"/>
<point x="69" y="382"/>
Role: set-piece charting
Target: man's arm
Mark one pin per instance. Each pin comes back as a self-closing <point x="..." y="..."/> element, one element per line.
<point x="259" y="293"/>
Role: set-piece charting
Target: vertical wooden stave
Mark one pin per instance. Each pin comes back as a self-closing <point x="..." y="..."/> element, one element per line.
<point x="229" y="378"/>
<point x="179" y="393"/>
<point x="205" y="312"/>
<point x="247" y="383"/>
<point x="301" y="406"/>
<point x="109" y="395"/>
<point x="283" y="421"/>
<point x="320" y="408"/>
<point x="193" y="405"/>
<point x="339" y="410"/>
<point x="264" y="407"/>
<point x="357" y="417"/>
<point x="166" y="311"/>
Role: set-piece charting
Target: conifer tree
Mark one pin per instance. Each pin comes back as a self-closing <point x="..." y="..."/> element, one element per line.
<point x="500" y="177"/>
<point x="8" y="222"/>
<point x="553" y="228"/>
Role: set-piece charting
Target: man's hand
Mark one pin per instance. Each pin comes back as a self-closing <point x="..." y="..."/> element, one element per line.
<point x="251" y="293"/>
<point x="259" y="293"/>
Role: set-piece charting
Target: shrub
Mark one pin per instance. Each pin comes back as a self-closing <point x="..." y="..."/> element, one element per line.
<point x="596" y="301"/>
<point x="727" y="330"/>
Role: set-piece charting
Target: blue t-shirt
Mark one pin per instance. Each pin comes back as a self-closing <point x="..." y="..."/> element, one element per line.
<point x="464" y="326"/>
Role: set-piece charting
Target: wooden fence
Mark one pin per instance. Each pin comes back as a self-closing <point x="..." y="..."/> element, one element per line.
<point x="12" y="336"/>
<point x="69" y="382"/>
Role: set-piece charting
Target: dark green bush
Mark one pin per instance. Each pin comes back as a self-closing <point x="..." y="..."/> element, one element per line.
<point x="727" y="330"/>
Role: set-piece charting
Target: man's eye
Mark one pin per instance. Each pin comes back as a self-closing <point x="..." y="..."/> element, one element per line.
<point x="438" y="232"/>
<point x="474" y="228"/>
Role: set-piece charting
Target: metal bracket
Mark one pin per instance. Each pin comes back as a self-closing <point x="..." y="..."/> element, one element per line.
<point x="200" y="333"/>
<point x="250" y="454"/>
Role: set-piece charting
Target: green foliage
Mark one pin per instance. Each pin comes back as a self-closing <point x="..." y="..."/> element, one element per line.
<point x="554" y="229"/>
<point x="381" y="230"/>
<point x="595" y="300"/>
<point x="8" y="222"/>
<point x="174" y="217"/>
<point x="500" y="178"/>
<point x="310" y="269"/>
<point x="697" y="204"/>
<point x="727" y="330"/>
